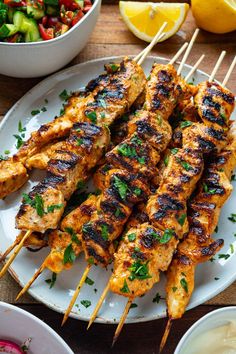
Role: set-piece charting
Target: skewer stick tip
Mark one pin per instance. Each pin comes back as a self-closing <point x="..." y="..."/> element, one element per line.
<point x="165" y="335"/>
<point x="217" y="65"/>
<point x="186" y="54"/>
<point x="122" y="321"/>
<point x="76" y="293"/>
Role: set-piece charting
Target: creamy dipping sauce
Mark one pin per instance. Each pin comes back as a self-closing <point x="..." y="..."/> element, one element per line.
<point x="219" y="340"/>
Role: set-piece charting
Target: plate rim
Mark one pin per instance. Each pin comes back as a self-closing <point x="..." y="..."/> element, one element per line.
<point x="73" y="314"/>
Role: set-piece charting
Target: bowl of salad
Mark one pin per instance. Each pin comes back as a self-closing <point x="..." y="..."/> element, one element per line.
<point x="38" y="37"/>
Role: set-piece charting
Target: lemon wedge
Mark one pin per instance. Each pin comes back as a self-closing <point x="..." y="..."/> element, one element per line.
<point x="144" y="19"/>
<point x="217" y="16"/>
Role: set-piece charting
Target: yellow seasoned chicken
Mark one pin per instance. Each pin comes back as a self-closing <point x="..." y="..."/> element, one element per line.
<point x="18" y="174"/>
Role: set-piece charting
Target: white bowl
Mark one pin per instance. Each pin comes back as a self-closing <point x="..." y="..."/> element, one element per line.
<point x="18" y="325"/>
<point x="210" y="321"/>
<point x="42" y="58"/>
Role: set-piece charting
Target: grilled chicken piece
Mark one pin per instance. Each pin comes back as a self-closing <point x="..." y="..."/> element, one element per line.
<point x="18" y="176"/>
<point x="70" y="164"/>
<point x="87" y="142"/>
<point x="68" y="238"/>
<point x="213" y="191"/>
<point x="143" y="252"/>
<point x="40" y="160"/>
<point x="138" y="217"/>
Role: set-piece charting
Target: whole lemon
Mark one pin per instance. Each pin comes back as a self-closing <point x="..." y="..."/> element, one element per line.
<point x="217" y="16"/>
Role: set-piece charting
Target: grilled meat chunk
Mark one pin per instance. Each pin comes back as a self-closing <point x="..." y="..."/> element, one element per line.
<point x="17" y="173"/>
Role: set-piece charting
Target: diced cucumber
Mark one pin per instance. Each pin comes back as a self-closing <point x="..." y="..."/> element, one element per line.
<point x="3" y="6"/>
<point x="52" y="11"/>
<point x="35" y="13"/>
<point x="80" y="3"/>
<point x="32" y="34"/>
<point x="3" y="16"/>
<point x="18" y="18"/>
<point x="7" y="30"/>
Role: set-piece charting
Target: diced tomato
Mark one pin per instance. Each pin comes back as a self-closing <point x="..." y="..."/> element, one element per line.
<point x="12" y="3"/>
<point x="69" y="4"/>
<point x="87" y="2"/>
<point x="77" y="17"/>
<point x="44" y="21"/>
<point x="46" y="33"/>
<point x="67" y="17"/>
<point x="87" y="8"/>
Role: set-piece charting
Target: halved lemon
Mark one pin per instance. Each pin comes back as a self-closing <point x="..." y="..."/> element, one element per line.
<point x="144" y="19"/>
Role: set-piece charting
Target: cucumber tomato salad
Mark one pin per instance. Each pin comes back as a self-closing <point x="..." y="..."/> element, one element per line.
<point x="39" y="20"/>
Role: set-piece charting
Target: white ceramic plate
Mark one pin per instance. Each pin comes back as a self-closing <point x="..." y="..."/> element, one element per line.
<point x="26" y="263"/>
<point x="18" y="325"/>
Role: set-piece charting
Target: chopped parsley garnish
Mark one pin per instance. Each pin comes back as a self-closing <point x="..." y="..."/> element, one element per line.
<point x="174" y="288"/>
<point x="72" y="233"/>
<point x="166" y="160"/>
<point x="139" y="271"/>
<point x="216" y="278"/>
<point x="207" y="190"/>
<point x="157" y="298"/>
<point x="184" y="284"/>
<point x="232" y="217"/>
<point x="159" y="120"/>
<point x="36" y="203"/>
<point x="168" y="234"/>
<point x="21" y="129"/>
<point x="89" y="281"/>
<point x="117" y="212"/>
<point x="69" y="254"/>
<point x="3" y="158"/>
<point x="136" y="140"/>
<point x="7" y="152"/>
<point x="127" y="151"/>
<point x="21" y="136"/>
<point x="184" y="164"/>
<point x="131" y="237"/>
<point x="80" y="184"/>
<point x="125" y="288"/>
<point x="231" y="248"/>
<point x="212" y="259"/>
<point x="141" y="160"/>
<point x="79" y="141"/>
<point x="121" y="187"/>
<point x="52" y="281"/>
<point x="223" y="256"/>
<point x="91" y="260"/>
<point x="35" y="112"/>
<point x="174" y="151"/>
<point x="216" y="229"/>
<point x="64" y="95"/>
<point x="133" y="306"/>
<point x="62" y="111"/>
<point x="137" y="191"/>
<point x="113" y="67"/>
<point x="181" y="219"/>
<point x="233" y="178"/>
<point x="185" y="124"/>
<point x="86" y="303"/>
<point x="43" y="109"/>
<point x="92" y="116"/>
<point x="104" y="232"/>
<point x="103" y="115"/>
<point x="51" y="208"/>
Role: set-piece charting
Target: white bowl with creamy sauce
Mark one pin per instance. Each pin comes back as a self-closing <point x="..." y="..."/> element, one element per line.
<point x="215" y="333"/>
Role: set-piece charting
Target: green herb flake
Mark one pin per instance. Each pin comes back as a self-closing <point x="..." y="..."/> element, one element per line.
<point x="233" y="178"/>
<point x="141" y="160"/>
<point x="90" y="260"/>
<point x="131" y="237"/>
<point x="79" y="141"/>
<point x="157" y="298"/>
<point x="212" y="259"/>
<point x="121" y="187"/>
<point x="139" y="271"/>
<point x="69" y="254"/>
<point x="232" y="217"/>
<point x="184" y="164"/>
<point x="168" y="234"/>
<point x="182" y="219"/>
<point x="72" y="233"/>
<point x="64" y="95"/>
<point x="137" y="192"/>
<point x="127" y="151"/>
<point x="85" y="303"/>
<point x="51" y="281"/>
<point x="174" y="151"/>
<point x="133" y="306"/>
<point x="89" y="281"/>
<point x="223" y="256"/>
<point x="136" y="140"/>
<point x="21" y="129"/>
<point x="174" y="288"/>
<point x="232" y="248"/>
<point x="53" y="207"/>
<point x="216" y="278"/>
<point x="185" y="124"/>
<point x="117" y="212"/>
<point x="19" y="140"/>
<point x="80" y="185"/>
<point x="43" y="109"/>
<point x="103" y="115"/>
<point x="92" y="116"/>
<point x="113" y="67"/>
<point x="35" y="112"/>
<point x="166" y="160"/>
<point x="184" y="284"/>
<point x="125" y="288"/>
<point x="216" y="229"/>
<point x="104" y="232"/>
<point x="7" y="152"/>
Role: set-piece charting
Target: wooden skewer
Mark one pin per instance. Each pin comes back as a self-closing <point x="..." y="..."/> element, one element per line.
<point x="165" y="335"/>
<point x="158" y="36"/>
<point x="30" y="282"/>
<point x="122" y="321"/>
<point x="227" y="76"/>
<point x="194" y="68"/>
<point x="217" y="65"/>
<point x="77" y="291"/>
<point x="13" y="245"/>
<point x="13" y="256"/>
<point x="99" y="304"/>
<point x="186" y="54"/>
<point x="177" y="55"/>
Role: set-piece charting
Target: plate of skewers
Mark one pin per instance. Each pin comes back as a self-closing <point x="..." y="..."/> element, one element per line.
<point x="127" y="183"/>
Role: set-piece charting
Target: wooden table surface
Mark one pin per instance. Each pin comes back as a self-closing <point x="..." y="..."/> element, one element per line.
<point x="111" y="37"/>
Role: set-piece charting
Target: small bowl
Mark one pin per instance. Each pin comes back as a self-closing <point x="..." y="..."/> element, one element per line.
<point x="17" y="325"/>
<point x="210" y="321"/>
<point x="42" y="58"/>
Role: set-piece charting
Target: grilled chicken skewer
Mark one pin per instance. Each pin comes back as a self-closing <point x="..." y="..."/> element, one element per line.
<point x="153" y="245"/>
<point x="214" y="190"/>
<point x="149" y="134"/>
<point x="80" y="153"/>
